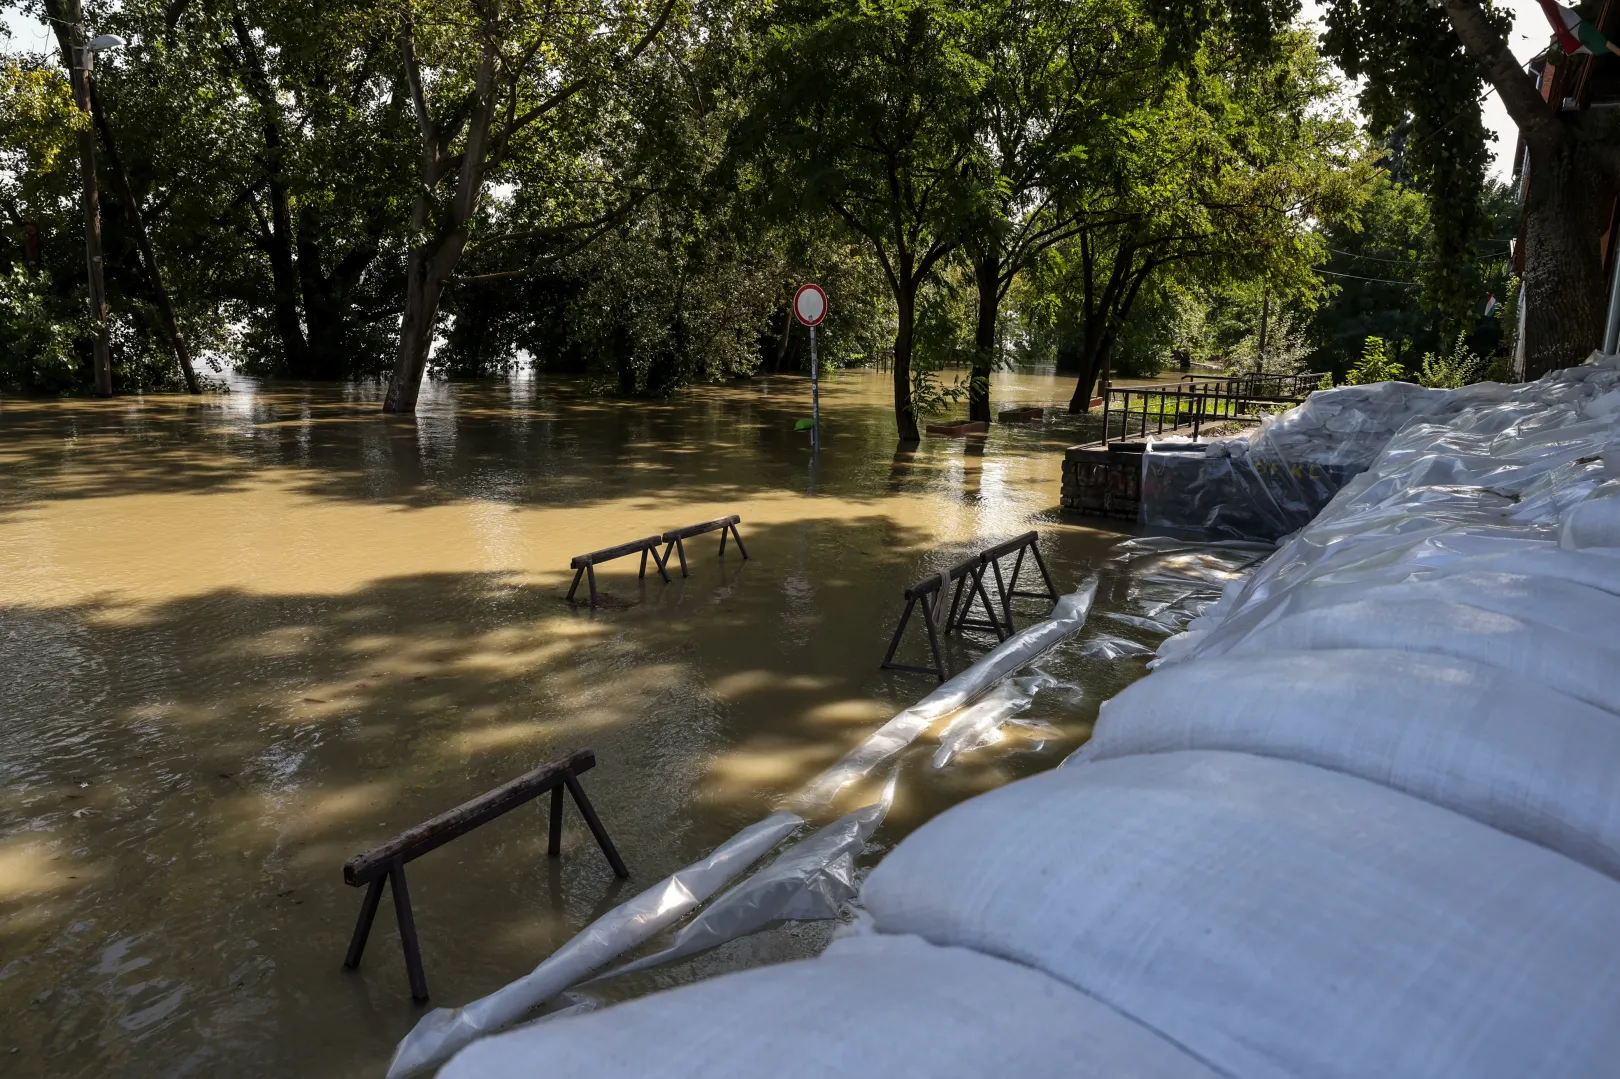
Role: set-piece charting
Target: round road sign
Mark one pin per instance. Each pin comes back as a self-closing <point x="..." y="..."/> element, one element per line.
<point x="810" y="304"/>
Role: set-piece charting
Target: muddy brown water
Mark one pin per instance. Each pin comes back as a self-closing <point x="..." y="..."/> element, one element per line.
<point x="247" y="636"/>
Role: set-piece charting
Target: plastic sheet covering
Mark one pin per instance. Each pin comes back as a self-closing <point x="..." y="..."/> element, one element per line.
<point x="443" y="1031"/>
<point x="1276" y="479"/>
<point x="979" y="724"/>
<point x="1112" y="648"/>
<point x="1276" y="919"/>
<point x="811" y="880"/>
<point x="1019" y="650"/>
<point x="1462" y="735"/>
<point x="891" y="1006"/>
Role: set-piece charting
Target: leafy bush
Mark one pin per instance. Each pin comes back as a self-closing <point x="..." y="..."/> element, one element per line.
<point x="1375" y="365"/>
<point x="1451" y="370"/>
<point x="36" y="334"/>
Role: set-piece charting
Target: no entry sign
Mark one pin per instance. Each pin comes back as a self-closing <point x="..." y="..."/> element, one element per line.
<point x="810" y="304"/>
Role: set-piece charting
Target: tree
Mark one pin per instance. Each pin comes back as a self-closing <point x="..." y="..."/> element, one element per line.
<point x="868" y="108"/>
<point x="1428" y="63"/>
<point x="481" y="77"/>
<point x="1058" y="74"/>
<point x="1224" y="171"/>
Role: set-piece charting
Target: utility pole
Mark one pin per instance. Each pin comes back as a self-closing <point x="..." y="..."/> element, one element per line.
<point x="76" y="53"/>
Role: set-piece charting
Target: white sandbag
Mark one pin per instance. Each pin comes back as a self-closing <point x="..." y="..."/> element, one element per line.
<point x="1595" y="570"/>
<point x="1594" y="522"/>
<point x="1571" y="607"/>
<point x="1471" y="738"/>
<point x="811" y="880"/>
<point x="895" y="1007"/>
<point x="1539" y="651"/>
<point x="1276" y="919"/>
<point x="1019" y="650"/>
<point x="441" y="1032"/>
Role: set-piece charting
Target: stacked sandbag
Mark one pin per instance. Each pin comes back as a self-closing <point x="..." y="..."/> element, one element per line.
<point x="1277" y="919"/>
<point x="1275" y="478"/>
<point x="880" y="1006"/>
<point x="1472" y="738"/>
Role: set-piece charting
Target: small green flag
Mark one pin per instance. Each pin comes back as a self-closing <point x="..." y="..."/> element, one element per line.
<point x="804" y="425"/>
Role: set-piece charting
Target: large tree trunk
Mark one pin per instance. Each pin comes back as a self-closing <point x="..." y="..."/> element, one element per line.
<point x="70" y="36"/>
<point x="154" y="274"/>
<point x="427" y="272"/>
<point x="905" y="418"/>
<point x="1574" y="167"/>
<point x="987" y="273"/>
<point x="1565" y="300"/>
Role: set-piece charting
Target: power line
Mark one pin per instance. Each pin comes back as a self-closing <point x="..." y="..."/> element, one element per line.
<point x="1374" y="280"/>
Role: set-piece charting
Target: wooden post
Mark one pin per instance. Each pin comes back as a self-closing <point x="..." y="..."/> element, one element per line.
<point x="407" y="931"/>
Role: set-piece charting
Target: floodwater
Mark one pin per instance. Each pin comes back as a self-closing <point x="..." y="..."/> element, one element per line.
<point x="248" y="636"/>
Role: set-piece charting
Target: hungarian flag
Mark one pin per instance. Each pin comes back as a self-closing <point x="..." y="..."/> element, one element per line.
<point x="1575" y="35"/>
<point x="1490" y="304"/>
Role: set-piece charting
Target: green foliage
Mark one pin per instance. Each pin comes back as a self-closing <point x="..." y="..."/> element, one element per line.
<point x="37" y="331"/>
<point x="1375" y="365"/>
<point x="1413" y="70"/>
<point x="1378" y="262"/>
<point x="1452" y="369"/>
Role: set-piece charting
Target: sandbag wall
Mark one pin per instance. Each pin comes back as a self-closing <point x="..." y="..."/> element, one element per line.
<point x="1362" y="819"/>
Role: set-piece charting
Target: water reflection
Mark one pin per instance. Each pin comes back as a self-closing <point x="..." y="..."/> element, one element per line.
<point x="247" y="636"/>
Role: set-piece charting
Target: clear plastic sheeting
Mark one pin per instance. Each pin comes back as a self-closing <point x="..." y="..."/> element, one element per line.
<point x="812" y="880"/>
<point x="1489" y="471"/>
<point x="1019" y="650"/>
<point x="1106" y="647"/>
<point x="443" y="1031"/>
<point x="979" y="724"/>
<point x="1277" y="478"/>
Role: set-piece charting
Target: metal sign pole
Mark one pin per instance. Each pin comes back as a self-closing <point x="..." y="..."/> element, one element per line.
<point x="815" y="396"/>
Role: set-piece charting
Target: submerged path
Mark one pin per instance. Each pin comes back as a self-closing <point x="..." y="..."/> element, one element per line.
<point x="248" y="636"/>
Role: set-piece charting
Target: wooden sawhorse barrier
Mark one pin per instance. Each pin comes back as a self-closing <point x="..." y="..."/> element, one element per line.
<point x="725" y="526"/>
<point x="585" y="564"/>
<point x="1007" y="590"/>
<point x="929" y="593"/>
<point x="386" y="864"/>
<point x="968" y="576"/>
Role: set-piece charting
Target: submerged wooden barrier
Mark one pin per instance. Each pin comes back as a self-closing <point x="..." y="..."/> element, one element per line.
<point x="385" y="864"/>
<point x="585" y="564"/>
<point x="968" y="576"/>
<point x="725" y="525"/>
<point x="929" y="593"/>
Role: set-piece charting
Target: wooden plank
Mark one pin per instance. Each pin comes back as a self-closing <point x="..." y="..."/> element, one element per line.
<point x="933" y="581"/>
<point x="607" y="554"/>
<point x="1007" y="547"/>
<point x="697" y="530"/>
<point x="363" y="868"/>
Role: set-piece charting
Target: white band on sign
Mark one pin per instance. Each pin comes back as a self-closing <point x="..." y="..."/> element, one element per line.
<point x="810" y="304"/>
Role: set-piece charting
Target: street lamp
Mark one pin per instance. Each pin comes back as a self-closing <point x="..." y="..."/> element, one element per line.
<point x="79" y="52"/>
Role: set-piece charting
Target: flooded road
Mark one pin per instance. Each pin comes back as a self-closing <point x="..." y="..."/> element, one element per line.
<point x="247" y="636"/>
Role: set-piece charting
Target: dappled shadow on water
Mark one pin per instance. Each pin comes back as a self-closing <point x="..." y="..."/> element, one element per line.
<point x="545" y="441"/>
<point x="183" y="778"/>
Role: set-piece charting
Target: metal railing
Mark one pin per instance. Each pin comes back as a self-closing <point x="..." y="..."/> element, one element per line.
<point x="1142" y="410"/>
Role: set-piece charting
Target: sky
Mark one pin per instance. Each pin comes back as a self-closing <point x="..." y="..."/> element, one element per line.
<point x="1530" y="34"/>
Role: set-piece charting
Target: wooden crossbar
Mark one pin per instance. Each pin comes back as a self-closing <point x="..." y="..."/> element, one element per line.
<point x="930" y="593"/>
<point x="584" y="565"/>
<point x="385" y="864"/>
<point x="726" y="526"/>
<point x="968" y="576"/>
